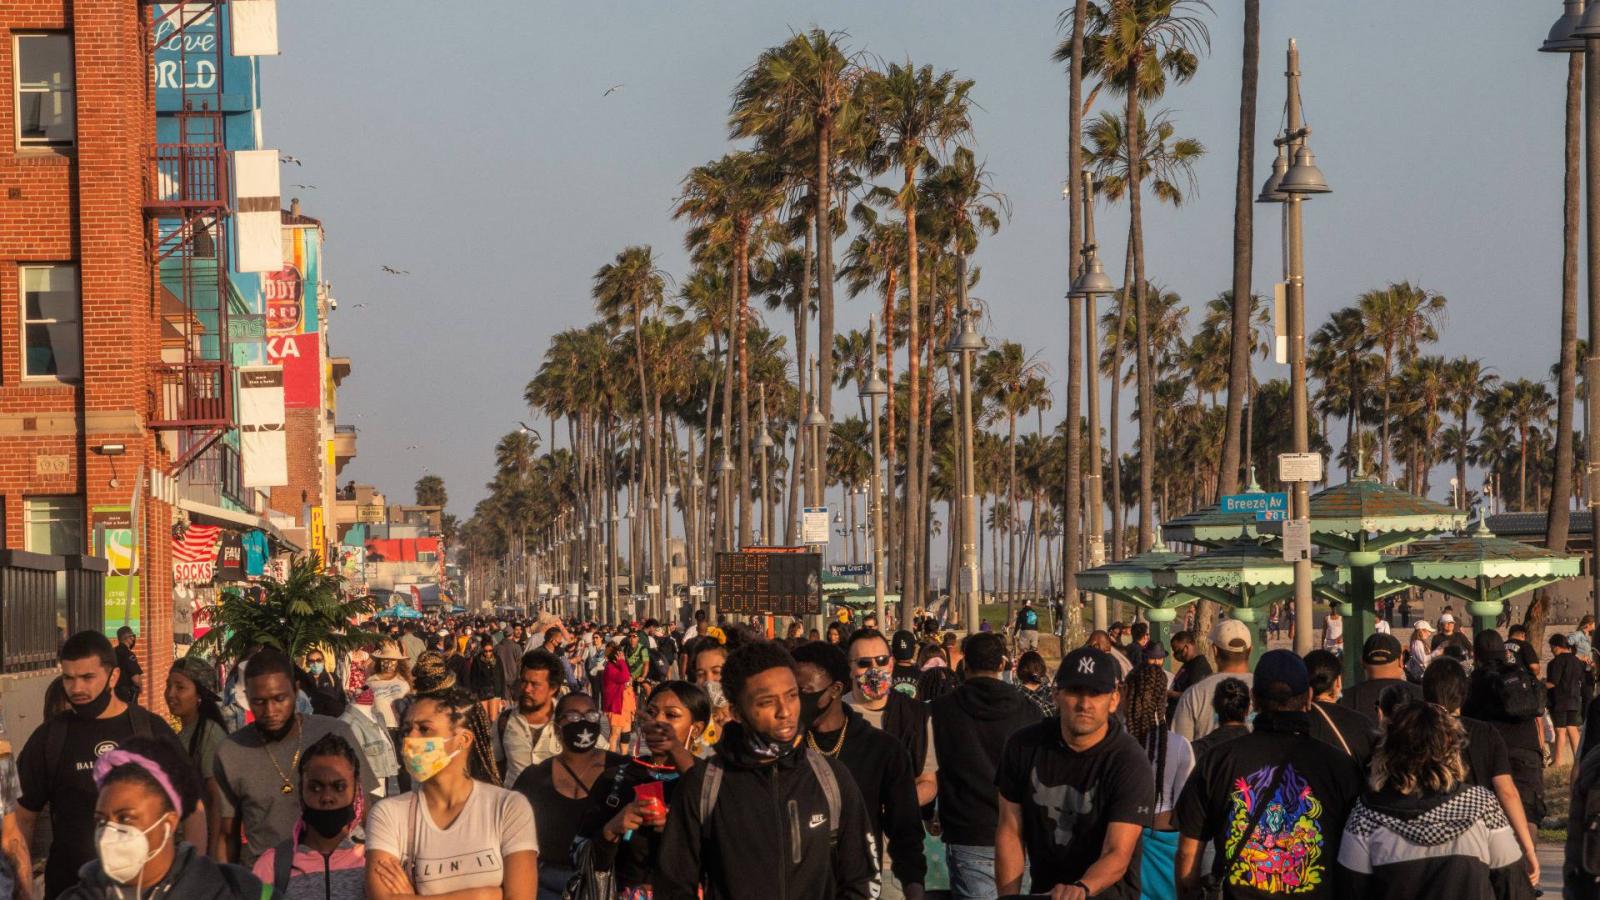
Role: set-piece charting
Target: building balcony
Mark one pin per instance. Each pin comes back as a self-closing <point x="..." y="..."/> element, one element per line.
<point x="191" y="395"/>
<point x="188" y="178"/>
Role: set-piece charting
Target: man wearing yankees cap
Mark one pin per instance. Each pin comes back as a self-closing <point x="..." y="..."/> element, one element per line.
<point x="1076" y="792"/>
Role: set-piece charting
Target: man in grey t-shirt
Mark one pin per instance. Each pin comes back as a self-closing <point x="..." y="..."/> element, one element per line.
<point x="256" y="769"/>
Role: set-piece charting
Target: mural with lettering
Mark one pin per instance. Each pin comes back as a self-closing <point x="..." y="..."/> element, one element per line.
<point x="292" y="325"/>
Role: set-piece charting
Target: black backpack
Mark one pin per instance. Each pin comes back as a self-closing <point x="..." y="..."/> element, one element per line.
<point x="1520" y="696"/>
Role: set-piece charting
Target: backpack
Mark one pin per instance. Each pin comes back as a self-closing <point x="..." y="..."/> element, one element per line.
<point x="712" y="786"/>
<point x="1519" y="694"/>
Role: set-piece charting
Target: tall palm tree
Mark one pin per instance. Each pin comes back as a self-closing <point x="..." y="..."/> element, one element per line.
<point x="1556" y="517"/>
<point x="1240" y="381"/>
<point x="801" y="96"/>
<point x="1398" y="319"/>
<point x="1138" y="43"/>
<point x="1524" y="405"/>
<point x="916" y="113"/>
<point x="1168" y="165"/>
<point x="1340" y="355"/>
<point x="1466" y="383"/>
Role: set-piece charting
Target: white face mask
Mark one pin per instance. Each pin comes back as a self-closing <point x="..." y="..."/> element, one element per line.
<point x="124" y="850"/>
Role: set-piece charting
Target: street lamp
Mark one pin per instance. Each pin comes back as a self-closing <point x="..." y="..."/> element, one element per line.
<point x="875" y="390"/>
<point x="1092" y="280"/>
<point x="1292" y="188"/>
<point x="1564" y="37"/>
<point x="965" y="344"/>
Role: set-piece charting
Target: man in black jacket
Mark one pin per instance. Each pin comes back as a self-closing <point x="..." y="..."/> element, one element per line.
<point x="880" y="766"/>
<point x="766" y="817"/>
<point x="903" y="718"/>
<point x="970" y="729"/>
<point x="1274" y="801"/>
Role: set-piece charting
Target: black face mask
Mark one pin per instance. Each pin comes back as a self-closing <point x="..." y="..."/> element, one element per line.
<point x="272" y="737"/>
<point x="811" y="708"/>
<point x="329" y="822"/>
<point x="95" y="707"/>
<point x="579" y="735"/>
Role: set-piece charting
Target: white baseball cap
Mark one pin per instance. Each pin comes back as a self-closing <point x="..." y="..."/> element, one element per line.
<point x="1447" y="619"/>
<point x="1231" y="634"/>
<point x="1422" y="625"/>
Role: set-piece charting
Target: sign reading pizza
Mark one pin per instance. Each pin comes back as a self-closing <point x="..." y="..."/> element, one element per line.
<point x="285" y="291"/>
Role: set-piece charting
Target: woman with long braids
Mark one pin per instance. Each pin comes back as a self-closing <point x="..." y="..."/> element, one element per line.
<point x="192" y="699"/>
<point x="1144" y="707"/>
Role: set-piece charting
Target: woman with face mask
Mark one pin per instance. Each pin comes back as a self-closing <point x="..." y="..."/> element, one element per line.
<point x="451" y="833"/>
<point x="146" y="788"/>
<point x="321" y="862"/>
<point x="566" y="789"/>
<point x="627" y="831"/>
<point x="192" y="699"/>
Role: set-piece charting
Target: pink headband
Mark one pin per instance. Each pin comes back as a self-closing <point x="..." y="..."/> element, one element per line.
<point x="111" y="759"/>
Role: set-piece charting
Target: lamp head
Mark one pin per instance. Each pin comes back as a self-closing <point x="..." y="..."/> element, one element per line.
<point x="1563" y="37"/>
<point x="1588" y="26"/>
<point x="1093" y="280"/>
<point x="1270" y="192"/>
<point x="765" y="443"/>
<point x="815" y="419"/>
<point x="967" y="340"/>
<point x="1304" y="177"/>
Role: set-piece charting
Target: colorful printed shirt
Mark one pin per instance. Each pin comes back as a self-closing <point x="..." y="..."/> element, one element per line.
<point x="1307" y="791"/>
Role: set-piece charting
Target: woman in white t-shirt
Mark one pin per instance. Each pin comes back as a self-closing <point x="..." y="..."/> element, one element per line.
<point x="390" y="680"/>
<point x="450" y="833"/>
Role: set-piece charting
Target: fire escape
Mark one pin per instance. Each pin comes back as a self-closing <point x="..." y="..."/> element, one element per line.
<point x="187" y="196"/>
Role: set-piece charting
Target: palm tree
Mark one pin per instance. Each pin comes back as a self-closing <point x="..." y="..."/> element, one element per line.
<point x="1523" y="405"/>
<point x="1013" y="384"/>
<point x="1557" y="518"/>
<point x="1398" y="319"/>
<point x="797" y="97"/>
<point x="306" y="609"/>
<point x="1240" y="380"/>
<point x="1138" y="38"/>
<point x="1340" y="356"/>
<point x="915" y="113"/>
<point x="1466" y="383"/>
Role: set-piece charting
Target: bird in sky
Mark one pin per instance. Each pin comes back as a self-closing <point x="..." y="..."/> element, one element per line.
<point x="613" y="89"/>
<point x="526" y="427"/>
<point x="308" y="187"/>
<point x="393" y="271"/>
<point x="286" y="159"/>
<point x="358" y="306"/>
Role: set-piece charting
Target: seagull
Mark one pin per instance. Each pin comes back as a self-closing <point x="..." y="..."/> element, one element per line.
<point x="358" y="306"/>
<point x="308" y="187"/>
<point x="613" y="89"/>
<point x="393" y="271"/>
<point x="526" y="427"/>
<point x="286" y="159"/>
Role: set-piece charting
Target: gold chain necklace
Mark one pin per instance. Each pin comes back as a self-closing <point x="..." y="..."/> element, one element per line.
<point x="837" y="746"/>
<point x="294" y="761"/>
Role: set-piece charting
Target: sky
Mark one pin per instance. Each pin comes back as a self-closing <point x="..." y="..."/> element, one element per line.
<point x="476" y="151"/>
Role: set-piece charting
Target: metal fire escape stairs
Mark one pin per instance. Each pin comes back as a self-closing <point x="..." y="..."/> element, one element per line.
<point x="188" y="198"/>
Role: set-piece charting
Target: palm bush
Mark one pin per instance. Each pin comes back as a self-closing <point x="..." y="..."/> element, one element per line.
<point x="306" y="609"/>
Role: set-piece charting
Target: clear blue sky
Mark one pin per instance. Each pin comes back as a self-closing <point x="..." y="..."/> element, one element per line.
<point x="475" y="150"/>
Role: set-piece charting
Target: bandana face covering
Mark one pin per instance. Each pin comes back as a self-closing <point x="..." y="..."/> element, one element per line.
<point x="873" y="684"/>
<point x="766" y="749"/>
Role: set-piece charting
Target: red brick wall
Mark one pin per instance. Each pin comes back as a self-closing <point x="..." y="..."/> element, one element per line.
<point x="86" y="207"/>
<point x="303" y="443"/>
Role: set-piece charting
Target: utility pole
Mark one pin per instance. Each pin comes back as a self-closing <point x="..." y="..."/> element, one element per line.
<point x="966" y="344"/>
<point x="1091" y="281"/>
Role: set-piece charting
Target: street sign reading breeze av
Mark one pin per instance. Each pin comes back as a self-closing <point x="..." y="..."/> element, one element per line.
<point x="1267" y="507"/>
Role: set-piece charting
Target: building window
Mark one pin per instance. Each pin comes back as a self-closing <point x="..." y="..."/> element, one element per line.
<point x="53" y="525"/>
<point x="46" y="102"/>
<point x="51" y="342"/>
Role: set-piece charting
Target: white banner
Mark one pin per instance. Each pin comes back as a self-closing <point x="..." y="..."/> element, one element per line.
<point x="260" y="397"/>
<point x="255" y="27"/>
<point x="258" y="216"/>
<point x="266" y="458"/>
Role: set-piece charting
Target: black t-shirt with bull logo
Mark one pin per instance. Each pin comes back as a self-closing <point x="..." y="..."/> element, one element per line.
<point x="1069" y="799"/>
<point x="66" y="782"/>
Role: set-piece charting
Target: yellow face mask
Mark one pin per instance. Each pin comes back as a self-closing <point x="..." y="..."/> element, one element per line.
<point x="426" y="757"/>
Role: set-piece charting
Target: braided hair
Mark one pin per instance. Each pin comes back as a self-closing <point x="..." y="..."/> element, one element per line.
<point x="1144" y="708"/>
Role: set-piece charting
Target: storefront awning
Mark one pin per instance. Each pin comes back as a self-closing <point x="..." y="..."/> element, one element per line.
<point x="231" y="518"/>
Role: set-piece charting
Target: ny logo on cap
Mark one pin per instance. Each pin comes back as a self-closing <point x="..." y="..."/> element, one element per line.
<point x="1086" y="666"/>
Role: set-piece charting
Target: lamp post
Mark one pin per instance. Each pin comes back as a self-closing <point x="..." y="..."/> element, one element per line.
<point x="966" y="344"/>
<point x="764" y="444"/>
<point x="875" y="390"/>
<point x="1587" y="30"/>
<point x="1291" y="187"/>
<point x="1091" y="280"/>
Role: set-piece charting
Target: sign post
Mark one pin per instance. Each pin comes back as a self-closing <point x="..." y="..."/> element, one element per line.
<point x="1297" y="467"/>
<point x="1267" y="507"/>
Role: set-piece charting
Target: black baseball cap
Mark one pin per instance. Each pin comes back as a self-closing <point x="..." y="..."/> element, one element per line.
<point x="1380" y="650"/>
<point x="1282" y="667"/>
<point x="1088" y="669"/>
<point x="904" y="645"/>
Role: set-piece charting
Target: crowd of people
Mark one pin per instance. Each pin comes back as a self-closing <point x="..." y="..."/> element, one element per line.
<point x="472" y="758"/>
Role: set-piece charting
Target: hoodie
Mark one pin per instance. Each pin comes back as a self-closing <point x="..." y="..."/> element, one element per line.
<point x="1447" y="844"/>
<point x="768" y="835"/>
<point x="192" y="877"/>
<point x="970" y="728"/>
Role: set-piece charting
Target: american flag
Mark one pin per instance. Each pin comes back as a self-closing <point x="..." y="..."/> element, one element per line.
<point x="196" y="544"/>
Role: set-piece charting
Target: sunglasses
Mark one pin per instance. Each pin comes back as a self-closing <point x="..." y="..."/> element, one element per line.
<point x="868" y="662"/>
<point x="591" y="717"/>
